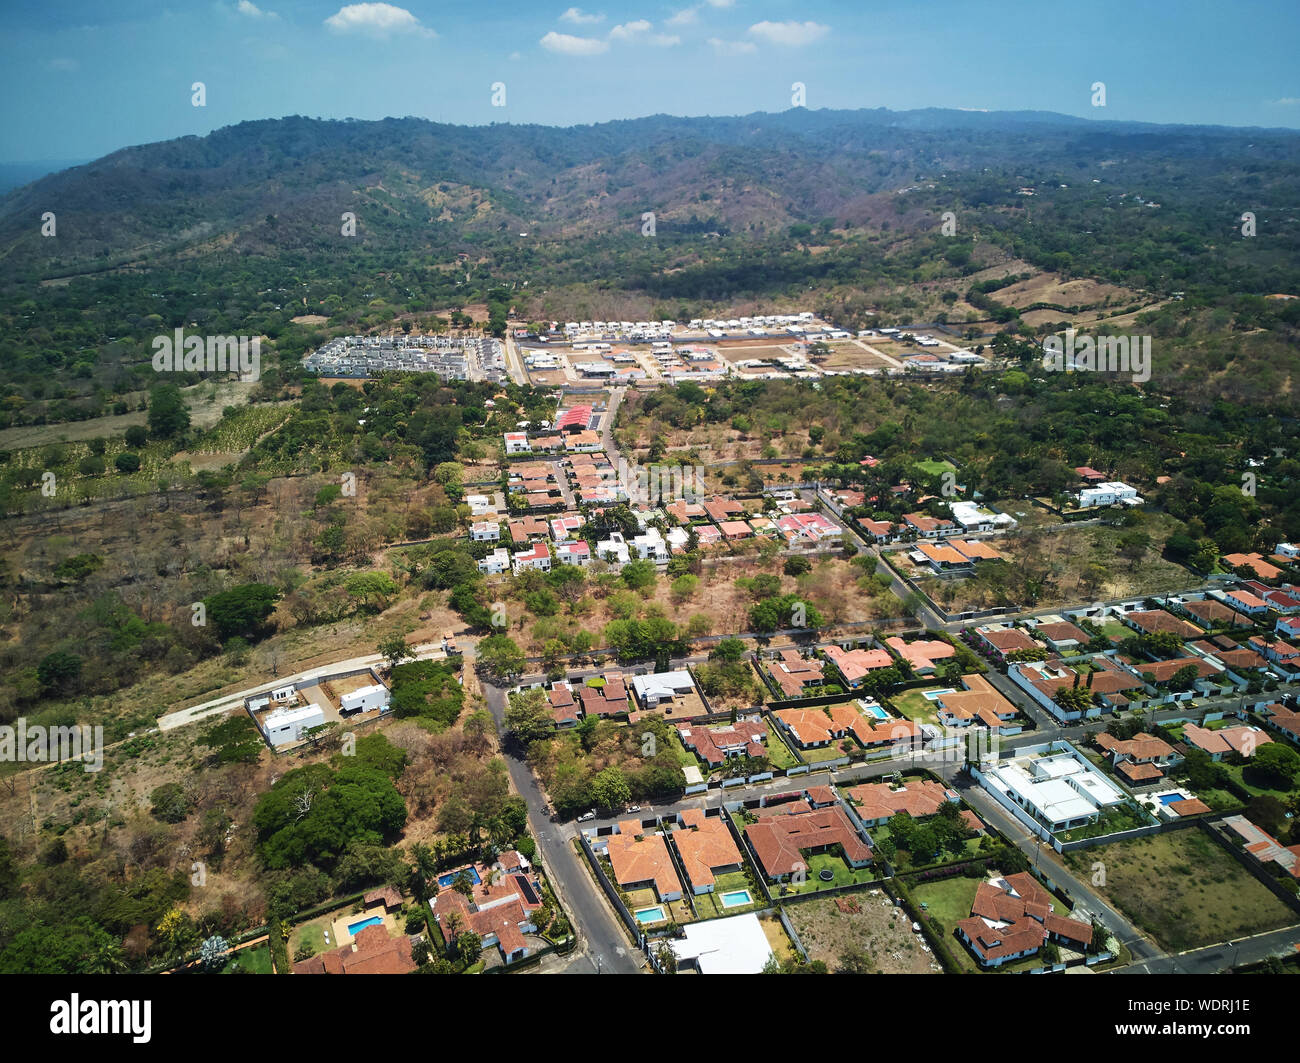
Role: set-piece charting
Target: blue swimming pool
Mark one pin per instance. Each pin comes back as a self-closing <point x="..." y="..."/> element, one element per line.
<point x="356" y="928"/>
<point x="1169" y="799"/>
<point x="651" y="915"/>
<point x="876" y="711"/>
<point x="932" y="695"/>
<point x="735" y="898"/>
<point x="451" y="876"/>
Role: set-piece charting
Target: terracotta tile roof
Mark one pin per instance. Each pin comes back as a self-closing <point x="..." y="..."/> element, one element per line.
<point x="876" y="801"/>
<point x="924" y="523"/>
<point x="1166" y="670"/>
<point x="854" y="664"/>
<point x="922" y="653"/>
<point x="979" y="699"/>
<point x="780" y="842"/>
<point x="642" y="859"/>
<point x="1150" y="621"/>
<point x="713" y="744"/>
<point x="1007" y="639"/>
<point x="793" y="672"/>
<point x="1027" y="913"/>
<point x="976" y="550"/>
<point x="1141" y="746"/>
<point x="1254" y="562"/>
<point x="608" y="700"/>
<point x="1190" y="807"/>
<point x="387" y="895"/>
<point x="706" y="848"/>
<point x="1062" y="631"/>
<point x="1210" y="610"/>
<point x="1229" y="739"/>
<point x="1138" y="772"/>
<point x="371" y="951"/>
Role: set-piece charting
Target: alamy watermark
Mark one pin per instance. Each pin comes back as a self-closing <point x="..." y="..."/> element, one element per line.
<point x="651" y="484"/>
<point x="180" y="353"/>
<point x="1101" y="354"/>
<point x="45" y="745"/>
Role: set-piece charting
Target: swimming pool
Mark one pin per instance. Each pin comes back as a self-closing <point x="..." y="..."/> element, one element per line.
<point x="876" y="711"/>
<point x="735" y="898"/>
<point x="356" y="928"/>
<point x="1169" y="799"/>
<point x="933" y="695"/>
<point x="651" y="915"/>
<point x="451" y="876"/>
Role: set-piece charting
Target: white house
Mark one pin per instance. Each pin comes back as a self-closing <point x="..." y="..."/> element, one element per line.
<point x="650" y="690"/>
<point x="537" y="556"/>
<point x="614" y="549"/>
<point x="287" y="725"/>
<point x="364" y="699"/>
<point x="496" y="562"/>
<point x="478" y="505"/>
<point x="283" y="694"/>
<point x="487" y="531"/>
<point x="576" y="553"/>
<point x="517" y="443"/>
<point x="651" y="546"/>
<point x="1109" y="493"/>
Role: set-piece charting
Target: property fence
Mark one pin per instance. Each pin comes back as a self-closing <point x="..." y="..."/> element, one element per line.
<point x="1219" y="833"/>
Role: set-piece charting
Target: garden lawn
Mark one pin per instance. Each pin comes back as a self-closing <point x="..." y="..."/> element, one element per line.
<point x="255" y="960"/>
<point x="916" y="707"/>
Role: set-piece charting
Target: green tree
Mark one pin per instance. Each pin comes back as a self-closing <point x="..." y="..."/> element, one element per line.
<point x="528" y="715"/>
<point x="500" y="657"/>
<point x="168" y="415"/>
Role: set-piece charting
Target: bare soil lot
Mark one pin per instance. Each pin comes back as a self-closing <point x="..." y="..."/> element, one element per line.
<point x="871" y="924"/>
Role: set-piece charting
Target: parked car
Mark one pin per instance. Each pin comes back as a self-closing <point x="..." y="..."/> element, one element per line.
<point x="587" y="815"/>
<point x="634" y="808"/>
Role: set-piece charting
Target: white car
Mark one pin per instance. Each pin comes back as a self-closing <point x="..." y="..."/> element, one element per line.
<point x="587" y="815"/>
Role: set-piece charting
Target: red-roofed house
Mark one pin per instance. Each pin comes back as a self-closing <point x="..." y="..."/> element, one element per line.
<point x="781" y="842"/>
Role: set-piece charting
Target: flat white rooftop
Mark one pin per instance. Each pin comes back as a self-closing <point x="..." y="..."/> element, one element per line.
<point x="735" y="945"/>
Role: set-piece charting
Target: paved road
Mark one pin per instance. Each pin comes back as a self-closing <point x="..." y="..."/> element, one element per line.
<point x="602" y="938"/>
<point x="230" y="702"/>
<point x="1215" y="958"/>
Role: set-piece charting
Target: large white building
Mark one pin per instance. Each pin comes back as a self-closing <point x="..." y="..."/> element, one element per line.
<point x="1107" y="494"/>
<point x="735" y="945"/>
<point x="364" y="699"/>
<point x="976" y="518"/>
<point x="1060" y="790"/>
<point x="287" y="725"/>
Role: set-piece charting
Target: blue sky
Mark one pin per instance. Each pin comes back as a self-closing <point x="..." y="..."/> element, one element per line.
<point x="81" y="78"/>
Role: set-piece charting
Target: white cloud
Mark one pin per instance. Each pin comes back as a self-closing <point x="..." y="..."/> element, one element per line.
<point x="64" y="65"/>
<point x="722" y="3"/>
<point x="245" y="7"/>
<point x="566" y="44"/>
<point x="732" y="47"/>
<point x="639" y="31"/>
<point x="376" y="20"/>
<point x="628" y="30"/>
<point x="687" y="16"/>
<point x="580" y="18"/>
<point x="791" y="34"/>
<point x="1287" y="101"/>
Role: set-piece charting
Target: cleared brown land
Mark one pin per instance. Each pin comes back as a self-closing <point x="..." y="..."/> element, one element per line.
<point x="1074" y="564"/>
<point x="877" y="928"/>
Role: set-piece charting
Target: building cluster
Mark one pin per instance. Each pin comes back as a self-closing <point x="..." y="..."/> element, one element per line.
<point x="455" y="358"/>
